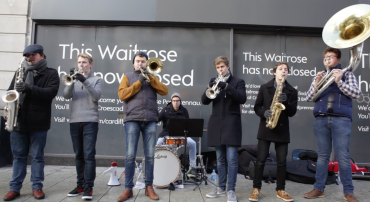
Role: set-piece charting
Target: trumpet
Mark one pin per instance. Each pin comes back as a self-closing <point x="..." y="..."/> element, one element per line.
<point x="69" y="80"/>
<point x="154" y="66"/>
<point x="212" y="92"/>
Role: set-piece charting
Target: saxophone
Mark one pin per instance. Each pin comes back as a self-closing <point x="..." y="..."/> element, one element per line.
<point x="11" y="97"/>
<point x="276" y="106"/>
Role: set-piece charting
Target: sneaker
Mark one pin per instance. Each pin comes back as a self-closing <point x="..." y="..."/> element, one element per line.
<point x="77" y="191"/>
<point x="192" y="173"/>
<point x="87" y="193"/>
<point x="281" y="194"/>
<point x="231" y="196"/>
<point x="216" y="193"/>
<point x="255" y="194"/>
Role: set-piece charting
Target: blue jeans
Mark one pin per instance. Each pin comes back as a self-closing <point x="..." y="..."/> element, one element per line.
<point x="84" y="135"/>
<point x="330" y="129"/>
<point x="227" y="166"/>
<point x="148" y="129"/>
<point x="191" y="146"/>
<point x="22" y="143"/>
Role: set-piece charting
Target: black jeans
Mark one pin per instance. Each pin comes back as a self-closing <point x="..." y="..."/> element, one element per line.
<point x="84" y="135"/>
<point x="281" y="149"/>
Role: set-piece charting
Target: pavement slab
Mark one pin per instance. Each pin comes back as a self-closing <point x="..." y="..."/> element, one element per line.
<point x="59" y="180"/>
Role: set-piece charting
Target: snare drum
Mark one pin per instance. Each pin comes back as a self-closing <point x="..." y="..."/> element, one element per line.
<point x="167" y="167"/>
<point x="174" y="140"/>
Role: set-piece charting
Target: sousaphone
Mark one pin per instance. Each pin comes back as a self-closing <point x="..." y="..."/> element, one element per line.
<point x="348" y="28"/>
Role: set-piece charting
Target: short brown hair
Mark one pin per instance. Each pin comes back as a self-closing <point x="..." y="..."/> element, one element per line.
<point x="332" y="50"/>
<point x="280" y="63"/>
<point x="83" y="55"/>
<point x="220" y="59"/>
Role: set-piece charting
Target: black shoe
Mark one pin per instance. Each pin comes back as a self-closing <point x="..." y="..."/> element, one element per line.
<point x="77" y="191"/>
<point x="87" y="193"/>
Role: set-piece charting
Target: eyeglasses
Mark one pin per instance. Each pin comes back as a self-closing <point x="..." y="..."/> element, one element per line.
<point x="175" y="100"/>
<point x="330" y="57"/>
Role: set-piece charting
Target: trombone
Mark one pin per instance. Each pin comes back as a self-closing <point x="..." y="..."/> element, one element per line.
<point x="154" y="66"/>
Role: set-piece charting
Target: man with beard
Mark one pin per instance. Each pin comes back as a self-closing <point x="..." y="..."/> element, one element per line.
<point x="38" y="88"/>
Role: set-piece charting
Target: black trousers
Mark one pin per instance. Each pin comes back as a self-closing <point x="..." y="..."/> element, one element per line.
<point x="281" y="149"/>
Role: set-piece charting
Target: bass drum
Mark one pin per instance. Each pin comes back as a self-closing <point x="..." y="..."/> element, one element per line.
<point x="167" y="167"/>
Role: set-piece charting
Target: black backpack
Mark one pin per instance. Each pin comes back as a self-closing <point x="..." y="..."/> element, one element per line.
<point x="304" y="171"/>
<point x="244" y="158"/>
<point x="270" y="170"/>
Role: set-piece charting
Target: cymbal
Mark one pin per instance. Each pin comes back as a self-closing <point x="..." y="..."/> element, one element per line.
<point x="348" y="27"/>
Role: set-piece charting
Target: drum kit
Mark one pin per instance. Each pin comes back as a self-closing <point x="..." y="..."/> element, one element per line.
<point x="167" y="166"/>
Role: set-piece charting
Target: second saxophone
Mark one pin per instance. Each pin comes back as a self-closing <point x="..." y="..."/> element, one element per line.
<point x="276" y="106"/>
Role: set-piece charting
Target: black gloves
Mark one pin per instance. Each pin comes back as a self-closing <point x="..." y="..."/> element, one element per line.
<point x="141" y="78"/>
<point x="212" y="82"/>
<point x="72" y="71"/>
<point x="23" y="87"/>
<point x="282" y="97"/>
<point x="145" y="71"/>
<point x="80" y="77"/>
<point x="268" y="114"/>
<point x="221" y="85"/>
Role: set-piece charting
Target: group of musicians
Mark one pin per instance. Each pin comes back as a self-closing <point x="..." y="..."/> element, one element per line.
<point x="138" y="89"/>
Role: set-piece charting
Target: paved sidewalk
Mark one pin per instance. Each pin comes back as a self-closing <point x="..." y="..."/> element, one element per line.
<point x="59" y="180"/>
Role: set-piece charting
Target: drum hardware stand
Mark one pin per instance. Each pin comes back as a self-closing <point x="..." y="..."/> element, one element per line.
<point x="203" y="169"/>
<point x="186" y="126"/>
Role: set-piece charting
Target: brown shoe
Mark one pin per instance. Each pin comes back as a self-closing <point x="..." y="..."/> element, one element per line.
<point x="314" y="194"/>
<point x="38" y="194"/>
<point x="11" y="195"/>
<point x="255" y="194"/>
<point x="281" y="194"/>
<point x="125" y="195"/>
<point x="350" y="198"/>
<point x="149" y="191"/>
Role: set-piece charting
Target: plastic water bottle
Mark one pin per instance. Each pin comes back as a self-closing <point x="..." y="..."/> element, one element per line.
<point x="139" y="174"/>
<point x="214" y="178"/>
<point x="338" y="177"/>
<point x="140" y="167"/>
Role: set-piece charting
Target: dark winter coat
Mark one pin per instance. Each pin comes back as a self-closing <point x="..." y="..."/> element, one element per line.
<point x="224" y="125"/>
<point x="169" y="112"/>
<point x="263" y="102"/>
<point x="35" y="113"/>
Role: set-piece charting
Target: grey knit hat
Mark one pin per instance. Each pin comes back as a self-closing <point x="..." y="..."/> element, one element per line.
<point x="176" y="95"/>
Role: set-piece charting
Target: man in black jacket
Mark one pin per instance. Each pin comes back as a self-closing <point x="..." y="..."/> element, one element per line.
<point x="225" y="128"/>
<point x="174" y="109"/>
<point x="280" y="134"/>
<point x="38" y="88"/>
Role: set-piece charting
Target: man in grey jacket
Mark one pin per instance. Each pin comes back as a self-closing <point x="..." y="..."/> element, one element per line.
<point x="84" y="120"/>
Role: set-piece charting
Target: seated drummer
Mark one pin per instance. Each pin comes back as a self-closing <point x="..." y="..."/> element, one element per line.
<point x="174" y="109"/>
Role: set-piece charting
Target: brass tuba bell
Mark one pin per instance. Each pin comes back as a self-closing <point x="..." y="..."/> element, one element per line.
<point x="348" y="28"/>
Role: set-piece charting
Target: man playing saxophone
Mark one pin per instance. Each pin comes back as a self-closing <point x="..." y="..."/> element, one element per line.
<point x="38" y="88"/>
<point x="333" y="113"/>
<point x="267" y="97"/>
<point x="84" y="122"/>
